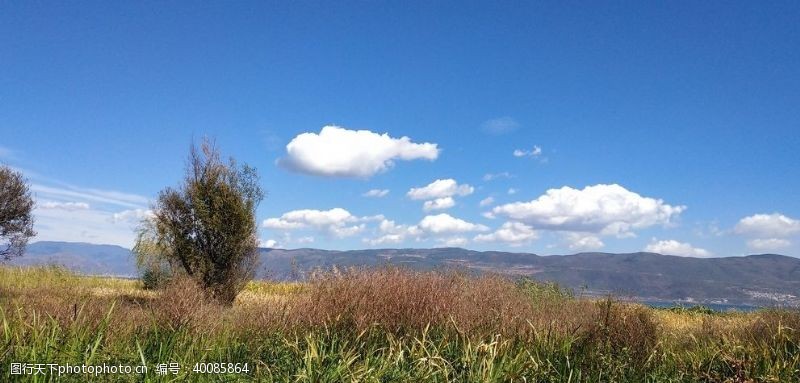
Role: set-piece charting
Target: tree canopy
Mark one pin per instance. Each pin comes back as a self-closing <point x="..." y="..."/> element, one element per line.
<point x="16" y="207"/>
<point x="206" y="228"/>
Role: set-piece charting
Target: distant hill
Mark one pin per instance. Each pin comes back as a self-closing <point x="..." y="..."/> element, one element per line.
<point x="83" y="258"/>
<point x="755" y="279"/>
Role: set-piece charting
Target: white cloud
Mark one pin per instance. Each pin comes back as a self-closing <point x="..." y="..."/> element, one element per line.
<point x="72" y="193"/>
<point x="337" y="221"/>
<point x="372" y="218"/>
<point x="440" y="188"/>
<point x="600" y="209"/>
<point x="500" y="125"/>
<point x="376" y="193"/>
<point x="673" y="247"/>
<point x="512" y="191"/>
<point x="392" y="233"/>
<point x="270" y="243"/>
<point x="535" y="152"/>
<point x="511" y="233"/>
<point x="494" y="176"/>
<point x="83" y="225"/>
<point x="447" y="224"/>
<point x="486" y="201"/>
<point x="432" y="226"/>
<point x="131" y="215"/>
<point x="389" y="226"/>
<point x="339" y="152"/>
<point x="768" y="243"/>
<point x="69" y="213"/>
<point x="583" y="241"/>
<point x="453" y="242"/>
<point x="773" y="225"/>
<point x="385" y="239"/>
<point x="308" y="217"/>
<point x="439" y="204"/>
<point x="68" y="206"/>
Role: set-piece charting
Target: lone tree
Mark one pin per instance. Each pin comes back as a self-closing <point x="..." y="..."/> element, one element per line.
<point x="16" y="221"/>
<point x="207" y="227"/>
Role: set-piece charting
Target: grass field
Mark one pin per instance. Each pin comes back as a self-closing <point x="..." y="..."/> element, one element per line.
<point x="382" y="325"/>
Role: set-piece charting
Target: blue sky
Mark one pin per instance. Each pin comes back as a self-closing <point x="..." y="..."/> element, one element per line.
<point x="670" y="127"/>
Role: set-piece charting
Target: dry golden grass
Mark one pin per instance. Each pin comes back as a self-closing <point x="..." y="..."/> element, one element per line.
<point x="406" y="304"/>
<point x="393" y="299"/>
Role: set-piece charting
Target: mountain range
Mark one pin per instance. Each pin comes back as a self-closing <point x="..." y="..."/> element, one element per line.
<point x="763" y="279"/>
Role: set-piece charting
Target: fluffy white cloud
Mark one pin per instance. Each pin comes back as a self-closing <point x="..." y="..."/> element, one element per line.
<point x="337" y="221"/>
<point x="768" y="243"/>
<point x="583" y="241"/>
<point x="68" y="206"/>
<point x="339" y="152"/>
<point x="270" y="243"/>
<point x="500" y="125"/>
<point x="447" y="224"/>
<point x="376" y="193"/>
<point x="486" y="201"/>
<point x="309" y="217"/>
<point x="773" y="225"/>
<point x="432" y="226"/>
<point x="439" y="204"/>
<point x="392" y="233"/>
<point x="600" y="209"/>
<point x="389" y="226"/>
<point x="673" y="247"/>
<point x="511" y="233"/>
<point x="535" y="152"/>
<point x="440" y="188"/>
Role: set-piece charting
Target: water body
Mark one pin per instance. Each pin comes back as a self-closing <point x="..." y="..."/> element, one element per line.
<point x="722" y="307"/>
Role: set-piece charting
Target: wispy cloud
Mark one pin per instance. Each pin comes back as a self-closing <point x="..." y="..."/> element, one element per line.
<point x="70" y="213"/>
<point x="500" y="125"/>
<point x="376" y="193"/>
<point x="494" y="176"/>
<point x="110" y="197"/>
<point x="69" y="206"/>
<point x="536" y="152"/>
<point x="84" y="225"/>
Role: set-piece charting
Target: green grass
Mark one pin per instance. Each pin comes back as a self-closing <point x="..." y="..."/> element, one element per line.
<point x="51" y="316"/>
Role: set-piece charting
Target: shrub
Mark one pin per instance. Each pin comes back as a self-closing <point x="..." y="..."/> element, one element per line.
<point x="206" y="228"/>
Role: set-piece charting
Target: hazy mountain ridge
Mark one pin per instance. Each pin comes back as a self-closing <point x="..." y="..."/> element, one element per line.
<point x="756" y="279"/>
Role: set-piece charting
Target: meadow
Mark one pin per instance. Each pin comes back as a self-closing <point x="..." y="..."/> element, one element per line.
<point x="380" y="325"/>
